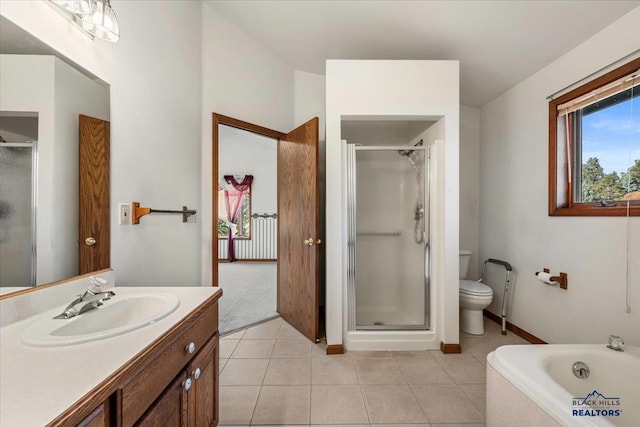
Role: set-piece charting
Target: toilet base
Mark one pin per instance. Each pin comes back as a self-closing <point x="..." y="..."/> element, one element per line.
<point x="472" y="322"/>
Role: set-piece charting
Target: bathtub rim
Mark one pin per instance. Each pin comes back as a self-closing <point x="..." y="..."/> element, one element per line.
<point x="537" y="384"/>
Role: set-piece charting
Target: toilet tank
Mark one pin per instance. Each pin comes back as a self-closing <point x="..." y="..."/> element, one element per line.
<point x="465" y="259"/>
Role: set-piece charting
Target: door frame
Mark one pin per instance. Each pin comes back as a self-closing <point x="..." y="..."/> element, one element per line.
<point x="220" y="119"/>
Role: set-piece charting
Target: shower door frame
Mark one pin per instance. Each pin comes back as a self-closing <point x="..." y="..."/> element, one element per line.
<point x="351" y="175"/>
<point x="34" y="197"/>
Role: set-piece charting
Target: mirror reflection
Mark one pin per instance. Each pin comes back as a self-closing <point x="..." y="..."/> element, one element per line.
<point x="42" y="96"/>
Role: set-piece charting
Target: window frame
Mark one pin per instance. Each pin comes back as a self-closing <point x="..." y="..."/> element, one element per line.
<point x="564" y="191"/>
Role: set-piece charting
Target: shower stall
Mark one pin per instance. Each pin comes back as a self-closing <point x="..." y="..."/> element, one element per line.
<point x="17" y="213"/>
<point x="388" y="225"/>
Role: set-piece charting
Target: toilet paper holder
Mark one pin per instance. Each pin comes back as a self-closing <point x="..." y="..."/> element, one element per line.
<point x="560" y="280"/>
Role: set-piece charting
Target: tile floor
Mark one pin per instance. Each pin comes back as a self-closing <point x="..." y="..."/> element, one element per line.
<point x="272" y="375"/>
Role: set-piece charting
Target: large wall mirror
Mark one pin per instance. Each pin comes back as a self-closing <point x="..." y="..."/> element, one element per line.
<point x="54" y="116"/>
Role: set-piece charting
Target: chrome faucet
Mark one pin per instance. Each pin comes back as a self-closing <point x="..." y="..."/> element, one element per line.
<point x="90" y="299"/>
<point x="615" y="343"/>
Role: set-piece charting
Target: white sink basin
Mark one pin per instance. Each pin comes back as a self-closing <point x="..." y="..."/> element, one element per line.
<point x="119" y="315"/>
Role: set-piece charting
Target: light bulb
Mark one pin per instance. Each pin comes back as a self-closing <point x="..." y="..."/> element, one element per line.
<point x="103" y="22"/>
<point x="80" y="7"/>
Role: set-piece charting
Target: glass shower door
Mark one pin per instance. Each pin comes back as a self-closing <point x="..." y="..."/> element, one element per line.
<point x="390" y="220"/>
<point x="17" y="216"/>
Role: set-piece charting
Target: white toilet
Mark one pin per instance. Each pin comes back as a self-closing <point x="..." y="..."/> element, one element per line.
<point x="474" y="297"/>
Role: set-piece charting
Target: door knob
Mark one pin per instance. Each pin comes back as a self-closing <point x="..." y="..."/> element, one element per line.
<point x="90" y="241"/>
<point x="309" y="241"/>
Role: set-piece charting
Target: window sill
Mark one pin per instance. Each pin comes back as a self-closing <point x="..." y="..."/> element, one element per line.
<point x="595" y="210"/>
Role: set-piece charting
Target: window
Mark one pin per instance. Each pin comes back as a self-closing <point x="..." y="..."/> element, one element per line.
<point x="229" y="197"/>
<point x="594" y="147"/>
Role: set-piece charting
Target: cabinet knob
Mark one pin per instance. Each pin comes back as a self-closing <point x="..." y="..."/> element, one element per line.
<point x="186" y="384"/>
<point x="196" y="373"/>
<point x="190" y="348"/>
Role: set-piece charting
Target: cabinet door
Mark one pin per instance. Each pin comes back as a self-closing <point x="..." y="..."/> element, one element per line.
<point x="170" y="409"/>
<point x="203" y="395"/>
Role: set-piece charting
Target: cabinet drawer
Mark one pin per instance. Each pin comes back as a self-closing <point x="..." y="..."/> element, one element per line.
<point x="98" y="418"/>
<point x="156" y="375"/>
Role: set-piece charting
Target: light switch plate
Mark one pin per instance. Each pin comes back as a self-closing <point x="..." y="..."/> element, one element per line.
<point x="125" y="214"/>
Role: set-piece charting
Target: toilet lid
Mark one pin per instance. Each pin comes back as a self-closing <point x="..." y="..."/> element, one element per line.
<point x="474" y="288"/>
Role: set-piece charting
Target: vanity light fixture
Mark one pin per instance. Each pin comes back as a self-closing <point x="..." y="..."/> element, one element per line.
<point x="79" y="7"/>
<point x="96" y="17"/>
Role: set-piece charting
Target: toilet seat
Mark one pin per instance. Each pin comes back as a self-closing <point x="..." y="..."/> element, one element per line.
<point x="469" y="287"/>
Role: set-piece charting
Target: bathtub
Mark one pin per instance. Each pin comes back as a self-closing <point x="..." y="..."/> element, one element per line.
<point x="535" y="386"/>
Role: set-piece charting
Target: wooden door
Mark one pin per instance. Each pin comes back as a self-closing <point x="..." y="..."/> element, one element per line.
<point x="298" y="239"/>
<point x="203" y="395"/>
<point x="94" y="225"/>
<point x="170" y="409"/>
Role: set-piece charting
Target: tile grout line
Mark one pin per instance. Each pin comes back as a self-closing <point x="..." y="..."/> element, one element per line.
<point x="473" y="404"/>
<point x="426" y="417"/>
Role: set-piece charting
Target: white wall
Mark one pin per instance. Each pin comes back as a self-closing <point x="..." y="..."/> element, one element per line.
<point x="411" y="88"/>
<point x="243" y="80"/>
<point x="155" y="77"/>
<point x="74" y="94"/>
<point x="246" y="153"/>
<point x="514" y="224"/>
<point x="470" y="185"/>
<point x="309" y="101"/>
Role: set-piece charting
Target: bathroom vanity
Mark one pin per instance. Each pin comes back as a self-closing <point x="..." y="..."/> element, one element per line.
<point x="163" y="373"/>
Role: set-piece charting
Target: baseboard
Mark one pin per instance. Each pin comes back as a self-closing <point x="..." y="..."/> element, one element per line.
<point x="515" y="329"/>
<point x="450" y="348"/>
<point x="335" y="349"/>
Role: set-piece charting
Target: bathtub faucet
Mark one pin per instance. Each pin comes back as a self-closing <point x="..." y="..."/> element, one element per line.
<point x="615" y="343"/>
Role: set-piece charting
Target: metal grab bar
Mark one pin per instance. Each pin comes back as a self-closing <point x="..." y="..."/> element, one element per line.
<point x="502" y="263"/>
<point x="509" y="269"/>
<point x="138" y="212"/>
<point x="381" y="233"/>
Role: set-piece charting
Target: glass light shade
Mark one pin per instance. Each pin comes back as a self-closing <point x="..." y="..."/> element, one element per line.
<point x="80" y="7"/>
<point x="102" y="22"/>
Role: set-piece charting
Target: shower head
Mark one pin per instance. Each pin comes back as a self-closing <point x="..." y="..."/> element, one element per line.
<point x="412" y="155"/>
<point x="408" y="153"/>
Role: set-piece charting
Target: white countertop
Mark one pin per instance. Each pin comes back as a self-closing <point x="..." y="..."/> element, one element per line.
<point x="38" y="384"/>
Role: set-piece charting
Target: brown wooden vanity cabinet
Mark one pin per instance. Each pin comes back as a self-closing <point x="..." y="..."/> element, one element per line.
<point x="190" y="400"/>
<point x="170" y="409"/>
<point x="173" y="382"/>
<point x="202" y="398"/>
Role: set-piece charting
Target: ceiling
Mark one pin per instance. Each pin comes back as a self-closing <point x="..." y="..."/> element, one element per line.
<point x="498" y="43"/>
